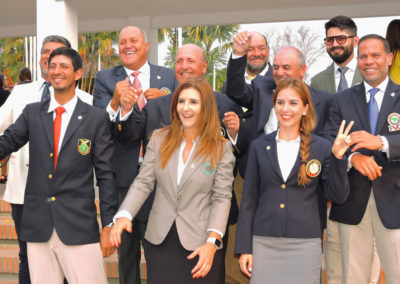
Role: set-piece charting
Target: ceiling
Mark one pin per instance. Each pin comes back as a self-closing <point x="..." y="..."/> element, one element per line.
<point x="18" y="17"/>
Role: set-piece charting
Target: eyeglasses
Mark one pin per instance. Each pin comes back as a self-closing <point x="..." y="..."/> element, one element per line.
<point x="340" y="39"/>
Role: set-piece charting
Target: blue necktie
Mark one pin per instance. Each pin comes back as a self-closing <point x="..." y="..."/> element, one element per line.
<point x="373" y="109"/>
<point x="343" y="82"/>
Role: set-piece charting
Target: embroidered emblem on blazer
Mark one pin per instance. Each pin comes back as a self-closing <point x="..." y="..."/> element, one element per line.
<point x="84" y="146"/>
<point x="394" y="121"/>
<point x="165" y="91"/>
<point x="207" y="168"/>
<point x="313" y="168"/>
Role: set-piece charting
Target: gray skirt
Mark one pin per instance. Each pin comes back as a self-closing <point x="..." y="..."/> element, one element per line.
<point x="286" y="260"/>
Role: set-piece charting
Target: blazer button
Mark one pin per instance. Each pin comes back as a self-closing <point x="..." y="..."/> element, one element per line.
<point x="282" y="205"/>
<point x="119" y="127"/>
<point x="283" y="186"/>
<point x="50" y="176"/>
<point x="53" y="198"/>
<point x="51" y="155"/>
<point x="243" y="119"/>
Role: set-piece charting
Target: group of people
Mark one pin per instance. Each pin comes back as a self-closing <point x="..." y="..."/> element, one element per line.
<point x="166" y="150"/>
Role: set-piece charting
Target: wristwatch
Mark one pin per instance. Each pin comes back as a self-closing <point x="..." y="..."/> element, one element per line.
<point x="215" y="242"/>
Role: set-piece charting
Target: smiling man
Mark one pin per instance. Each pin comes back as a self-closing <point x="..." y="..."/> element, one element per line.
<point x="135" y="75"/>
<point x="68" y="140"/>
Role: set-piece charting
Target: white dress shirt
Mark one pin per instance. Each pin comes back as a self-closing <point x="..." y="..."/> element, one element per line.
<point x="349" y="75"/>
<point x="65" y="117"/>
<point x="288" y="152"/>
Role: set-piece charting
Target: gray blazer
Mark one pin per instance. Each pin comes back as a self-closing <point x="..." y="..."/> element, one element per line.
<point x="325" y="80"/>
<point x="201" y="201"/>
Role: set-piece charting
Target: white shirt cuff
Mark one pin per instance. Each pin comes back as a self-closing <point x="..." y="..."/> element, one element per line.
<point x="234" y="141"/>
<point x="349" y="165"/>
<point x="122" y="214"/>
<point x="126" y="116"/>
<point x="385" y="147"/>
<point x="216" y="231"/>
<point x="234" y="56"/>
<point x="111" y="112"/>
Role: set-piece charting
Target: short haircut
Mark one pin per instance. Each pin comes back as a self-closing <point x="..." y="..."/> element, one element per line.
<point x="56" y="38"/>
<point x="343" y="23"/>
<point x="2" y="76"/>
<point x="70" y="53"/>
<point x="378" y="37"/>
<point x="24" y="74"/>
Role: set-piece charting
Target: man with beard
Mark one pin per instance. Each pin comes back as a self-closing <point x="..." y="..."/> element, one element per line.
<point x="341" y="39"/>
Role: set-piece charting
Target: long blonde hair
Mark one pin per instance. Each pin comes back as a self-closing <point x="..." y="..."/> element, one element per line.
<point x="209" y="127"/>
<point x="307" y="123"/>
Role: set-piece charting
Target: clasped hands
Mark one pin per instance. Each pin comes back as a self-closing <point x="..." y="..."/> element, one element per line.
<point x="366" y="165"/>
<point x="205" y="252"/>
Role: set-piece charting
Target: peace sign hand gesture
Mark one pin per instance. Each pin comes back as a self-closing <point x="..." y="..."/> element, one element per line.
<point x="342" y="141"/>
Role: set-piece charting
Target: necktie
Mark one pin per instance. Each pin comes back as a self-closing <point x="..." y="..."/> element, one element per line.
<point x="342" y="83"/>
<point x="373" y="109"/>
<point x="46" y="92"/>
<point x="56" y="130"/>
<point x="136" y="84"/>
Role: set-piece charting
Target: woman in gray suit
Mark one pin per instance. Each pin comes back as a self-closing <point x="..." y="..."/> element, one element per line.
<point x="191" y="164"/>
<point x="289" y="172"/>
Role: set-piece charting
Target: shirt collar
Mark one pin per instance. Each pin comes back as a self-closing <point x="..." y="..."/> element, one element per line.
<point x="262" y="73"/>
<point x="69" y="106"/>
<point x="382" y="86"/>
<point x="145" y="69"/>
<point x="297" y="140"/>
<point x="352" y="65"/>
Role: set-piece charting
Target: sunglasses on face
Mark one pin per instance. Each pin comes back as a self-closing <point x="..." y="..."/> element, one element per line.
<point x="340" y="39"/>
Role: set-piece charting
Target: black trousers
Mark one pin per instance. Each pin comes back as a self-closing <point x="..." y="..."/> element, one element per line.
<point x="16" y="213"/>
<point x="168" y="263"/>
<point x="129" y="252"/>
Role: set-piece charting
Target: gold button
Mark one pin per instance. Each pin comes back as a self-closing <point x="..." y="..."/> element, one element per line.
<point x="283" y="186"/>
<point x="282" y="205"/>
<point x="243" y="119"/>
<point x="119" y="127"/>
<point x="53" y="198"/>
<point x="50" y="176"/>
<point x="51" y="155"/>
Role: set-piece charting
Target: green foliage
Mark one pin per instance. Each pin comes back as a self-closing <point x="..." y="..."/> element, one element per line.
<point x="12" y="56"/>
<point x="216" y="42"/>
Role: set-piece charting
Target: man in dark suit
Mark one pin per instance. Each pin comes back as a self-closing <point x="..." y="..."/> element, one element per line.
<point x="341" y="39"/>
<point x="373" y="208"/>
<point x="68" y="139"/>
<point x="154" y="81"/>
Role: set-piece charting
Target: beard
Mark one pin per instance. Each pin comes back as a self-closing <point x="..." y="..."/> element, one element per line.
<point x="340" y="58"/>
<point x="255" y="69"/>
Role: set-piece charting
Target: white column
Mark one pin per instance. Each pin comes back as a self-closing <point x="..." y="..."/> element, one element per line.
<point x="145" y="23"/>
<point x="56" y="17"/>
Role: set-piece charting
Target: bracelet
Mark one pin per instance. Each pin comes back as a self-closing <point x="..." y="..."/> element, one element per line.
<point x="382" y="144"/>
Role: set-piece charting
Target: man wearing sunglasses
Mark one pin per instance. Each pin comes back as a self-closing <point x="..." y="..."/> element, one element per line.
<point x="341" y="40"/>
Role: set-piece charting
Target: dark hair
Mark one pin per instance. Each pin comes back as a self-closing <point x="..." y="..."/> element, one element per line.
<point x="378" y="37"/>
<point x="56" y="38"/>
<point x="68" y="52"/>
<point x="343" y="23"/>
<point x="1" y="79"/>
<point x="307" y="122"/>
<point x="393" y="35"/>
<point x="24" y="74"/>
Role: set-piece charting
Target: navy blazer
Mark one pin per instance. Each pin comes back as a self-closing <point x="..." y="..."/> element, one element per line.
<point x="265" y="193"/>
<point x="350" y="105"/>
<point x="155" y="115"/>
<point x="126" y="156"/>
<point x="64" y="199"/>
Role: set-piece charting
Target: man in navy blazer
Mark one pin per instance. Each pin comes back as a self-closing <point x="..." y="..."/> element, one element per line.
<point x="110" y="84"/>
<point x="372" y="211"/>
<point x="59" y="220"/>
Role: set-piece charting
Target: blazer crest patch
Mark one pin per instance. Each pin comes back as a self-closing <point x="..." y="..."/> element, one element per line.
<point x="165" y="91"/>
<point x="394" y="121"/>
<point x="207" y="168"/>
<point x="84" y="146"/>
<point x="313" y="168"/>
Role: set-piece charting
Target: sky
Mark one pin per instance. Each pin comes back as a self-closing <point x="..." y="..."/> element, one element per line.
<point x="365" y="26"/>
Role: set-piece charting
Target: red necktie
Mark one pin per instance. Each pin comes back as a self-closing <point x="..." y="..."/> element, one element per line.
<point x="56" y="130"/>
<point x="136" y="84"/>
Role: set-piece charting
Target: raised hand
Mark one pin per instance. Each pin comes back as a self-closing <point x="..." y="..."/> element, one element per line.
<point x="343" y="140"/>
<point x="241" y="43"/>
<point x="231" y="122"/>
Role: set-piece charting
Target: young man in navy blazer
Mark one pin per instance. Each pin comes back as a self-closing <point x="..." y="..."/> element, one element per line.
<point x="68" y="139"/>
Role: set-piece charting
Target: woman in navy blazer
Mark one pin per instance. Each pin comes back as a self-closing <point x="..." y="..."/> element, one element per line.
<point x="289" y="172"/>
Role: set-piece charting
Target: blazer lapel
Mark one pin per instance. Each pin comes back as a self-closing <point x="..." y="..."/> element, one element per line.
<point x="172" y="167"/>
<point x="155" y="77"/>
<point x="191" y="166"/>
<point x="120" y="74"/>
<point x="389" y="99"/>
<point x="165" y="109"/>
<point x="47" y="121"/>
<point x="272" y="152"/>
<point x="330" y="79"/>
<point x="357" y="79"/>
<point x="76" y="119"/>
<point x="360" y="104"/>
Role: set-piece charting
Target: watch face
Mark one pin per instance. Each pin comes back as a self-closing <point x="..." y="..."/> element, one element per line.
<point x="217" y="243"/>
